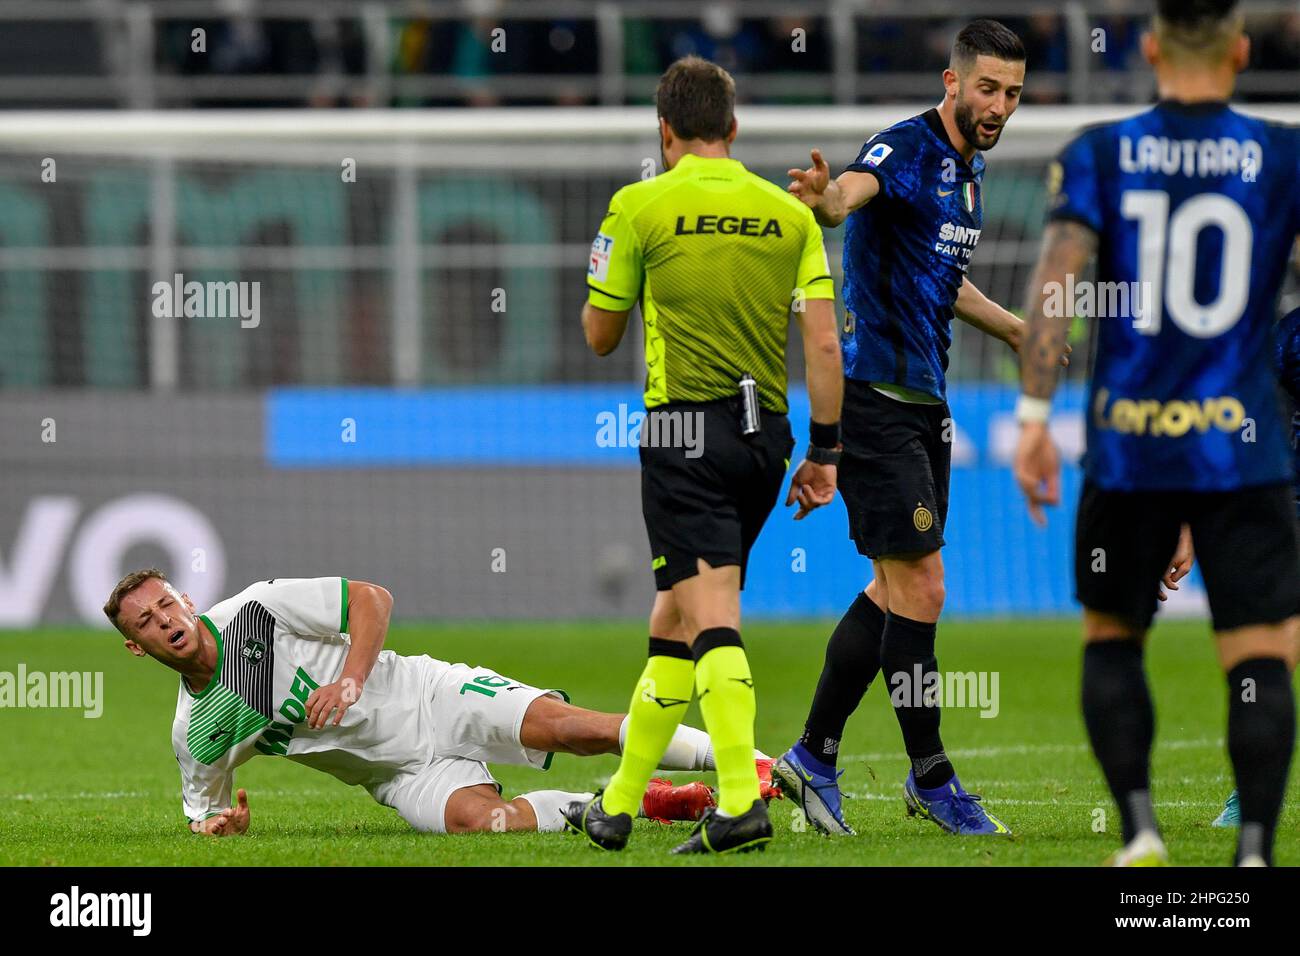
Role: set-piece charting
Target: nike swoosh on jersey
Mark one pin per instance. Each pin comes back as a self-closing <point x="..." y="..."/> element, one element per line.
<point x="945" y="194"/>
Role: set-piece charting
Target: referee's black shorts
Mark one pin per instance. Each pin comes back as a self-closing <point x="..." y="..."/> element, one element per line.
<point x="895" y="471"/>
<point x="1245" y="543"/>
<point x="710" y="501"/>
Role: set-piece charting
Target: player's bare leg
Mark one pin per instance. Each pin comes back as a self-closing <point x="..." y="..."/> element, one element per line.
<point x="1120" y="718"/>
<point x="914" y="585"/>
<point x="1258" y="661"/>
<point x="558" y="727"/>
<point x="480" y="809"/>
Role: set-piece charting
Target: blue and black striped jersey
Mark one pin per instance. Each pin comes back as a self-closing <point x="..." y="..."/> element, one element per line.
<point x="1196" y="207"/>
<point x="1288" y="374"/>
<point x="906" y="253"/>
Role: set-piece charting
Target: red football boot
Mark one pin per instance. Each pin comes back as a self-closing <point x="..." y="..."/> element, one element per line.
<point x="766" y="789"/>
<point x="665" y="803"/>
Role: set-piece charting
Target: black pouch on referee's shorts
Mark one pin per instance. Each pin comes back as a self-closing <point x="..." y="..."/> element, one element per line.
<point x="751" y="419"/>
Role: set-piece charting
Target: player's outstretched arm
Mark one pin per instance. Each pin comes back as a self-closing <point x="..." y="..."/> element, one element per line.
<point x="831" y="200"/>
<point x="976" y="309"/>
<point x="232" y="822"/>
<point x="1067" y="248"/>
<point x="369" y="607"/>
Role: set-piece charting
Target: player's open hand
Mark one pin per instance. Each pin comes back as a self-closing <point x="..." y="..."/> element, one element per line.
<point x="1037" y="467"/>
<point x="232" y="822"/>
<point x="332" y="699"/>
<point x="1180" y="565"/>
<point x="809" y="185"/>
<point x="812" y="486"/>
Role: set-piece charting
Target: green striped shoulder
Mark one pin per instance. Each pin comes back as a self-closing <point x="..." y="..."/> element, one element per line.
<point x="218" y="721"/>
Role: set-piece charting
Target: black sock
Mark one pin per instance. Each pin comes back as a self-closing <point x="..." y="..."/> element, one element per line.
<point x="1261" y="736"/>
<point x="852" y="662"/>
<point x="1121" y="724"/>
<point x="906" y="656"/>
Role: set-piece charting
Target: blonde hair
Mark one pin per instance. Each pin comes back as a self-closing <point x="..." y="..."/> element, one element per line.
<point x="124" y="587"/>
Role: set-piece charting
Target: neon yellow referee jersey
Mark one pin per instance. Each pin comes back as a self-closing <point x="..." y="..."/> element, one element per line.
<point x="717" y="256"/>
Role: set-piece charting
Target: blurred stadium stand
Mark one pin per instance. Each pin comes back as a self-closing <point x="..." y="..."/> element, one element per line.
<point x="139" y="53"/>
<point x="476" y="428"/>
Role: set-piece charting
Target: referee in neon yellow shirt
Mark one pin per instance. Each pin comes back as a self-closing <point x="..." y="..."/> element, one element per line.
<point x="719" y="259"/>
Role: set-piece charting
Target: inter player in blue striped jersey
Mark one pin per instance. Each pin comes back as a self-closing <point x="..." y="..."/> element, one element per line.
<point x="1288" y="374"/>
<point x="1194" y="208"/>
<point x="1287" y="335"/>
<point x="912" y="211"/>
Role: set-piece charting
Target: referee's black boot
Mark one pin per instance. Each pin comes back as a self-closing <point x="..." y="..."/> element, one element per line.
<point x="752" y="830"/>
<point x="608" y="831"/>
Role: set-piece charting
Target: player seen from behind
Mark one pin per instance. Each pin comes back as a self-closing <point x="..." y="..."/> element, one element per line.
<point x="718" y="258"/>
<point x="1194" y="206"/>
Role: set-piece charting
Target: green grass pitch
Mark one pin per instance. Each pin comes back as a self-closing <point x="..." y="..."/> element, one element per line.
<point x="77" y="791"/>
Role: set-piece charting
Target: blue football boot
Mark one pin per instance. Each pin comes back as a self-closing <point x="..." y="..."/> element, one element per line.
<point x="951" y="807"/>
<point x="1231" y="814"/>
<point x="817" y="792"/>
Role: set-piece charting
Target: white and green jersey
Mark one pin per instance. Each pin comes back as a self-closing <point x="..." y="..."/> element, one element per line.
<point x="277" y="641"/>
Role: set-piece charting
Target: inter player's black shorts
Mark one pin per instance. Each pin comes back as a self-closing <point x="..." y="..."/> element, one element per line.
<point x="713" y="505"/>
<point x="1245" y="543"/>
<point x="895" y="471"/>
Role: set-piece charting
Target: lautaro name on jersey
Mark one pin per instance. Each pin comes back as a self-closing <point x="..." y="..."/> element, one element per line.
<point x="1197" y="205"/>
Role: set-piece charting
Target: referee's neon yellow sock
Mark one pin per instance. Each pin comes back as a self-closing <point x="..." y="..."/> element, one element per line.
<point x="727" y="702"/>
<point x="662" y="695"/>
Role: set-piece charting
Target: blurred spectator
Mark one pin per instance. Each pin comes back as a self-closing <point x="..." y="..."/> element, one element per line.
<point x="245" y="45"/>
<point x="1275" y="48"/>
<point x="455" y="59"/>
<point x="894" y="45"/>
<point x="1277" y="45"/>
<point x="1047" y="51"/>
<point x="780" y="54"/>
<point x="719" y="35"/>
<point x="478" y="51"/>
<point x="567" y="47"/>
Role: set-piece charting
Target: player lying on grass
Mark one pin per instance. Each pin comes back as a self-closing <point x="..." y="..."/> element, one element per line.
<point x="296" y="668"/>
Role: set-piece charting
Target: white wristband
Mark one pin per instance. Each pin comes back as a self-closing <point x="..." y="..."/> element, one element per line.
<point x="1030" y="409"/>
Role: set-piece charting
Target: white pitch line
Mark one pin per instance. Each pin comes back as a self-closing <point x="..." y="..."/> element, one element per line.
<point x="981" y="784"/>
<point x="1027" y="749"/>
<point x="118" y="794"/>
<point x="1011" y="802"/>
<point x="961" y="754"/>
